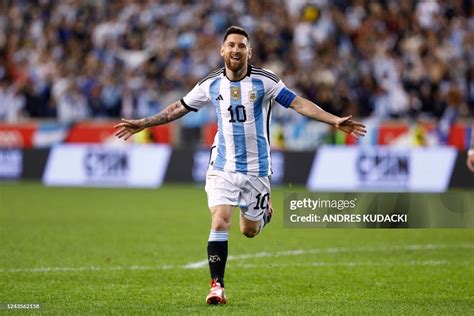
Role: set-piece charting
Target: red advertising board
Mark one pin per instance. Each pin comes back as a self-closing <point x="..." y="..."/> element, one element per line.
<point x="17" y="135"/>
<point x="457" y="137"/>
<point x="102" y="132"/>
<point x="208" y="133"/>
<point x="90" y="132"/>
<point x="390" y="131"/>
<point x="46" y="134"/>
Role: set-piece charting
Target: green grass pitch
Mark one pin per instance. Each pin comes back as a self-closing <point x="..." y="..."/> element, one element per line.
<point x="116" y="251"/>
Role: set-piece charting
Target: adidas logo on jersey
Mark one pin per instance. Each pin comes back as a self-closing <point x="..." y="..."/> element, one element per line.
<point x="219" y="98"/>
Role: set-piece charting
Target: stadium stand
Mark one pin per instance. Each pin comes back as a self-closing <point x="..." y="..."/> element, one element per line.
<point x="80" y="60"/>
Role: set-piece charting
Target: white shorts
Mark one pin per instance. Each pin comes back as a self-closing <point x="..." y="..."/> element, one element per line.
<point x="250" y="193"/>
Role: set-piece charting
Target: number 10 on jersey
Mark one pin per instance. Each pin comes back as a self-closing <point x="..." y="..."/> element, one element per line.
<point x="237" y="114"/>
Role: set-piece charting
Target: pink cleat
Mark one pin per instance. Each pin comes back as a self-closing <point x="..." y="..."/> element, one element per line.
<point x="217" y="294"/>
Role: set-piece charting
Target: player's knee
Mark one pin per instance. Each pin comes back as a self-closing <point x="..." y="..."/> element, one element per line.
<point x="249" y="232"/>
<point x="220" y="223"/>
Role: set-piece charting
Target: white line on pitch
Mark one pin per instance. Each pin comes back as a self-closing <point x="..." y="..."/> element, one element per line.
<point x="354" y="264"/>
<point x="246" y="266"/>
<point x="88" y="268"/>
<point x="203" y="263"/>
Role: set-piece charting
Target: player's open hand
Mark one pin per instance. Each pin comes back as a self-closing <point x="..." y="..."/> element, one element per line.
<point x="470" y="160"/>
<point x="129" y="127"/>
<point x="347" y="125"/>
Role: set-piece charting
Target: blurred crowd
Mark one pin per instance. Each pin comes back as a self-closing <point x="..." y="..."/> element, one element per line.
<point x="72" y="60"/>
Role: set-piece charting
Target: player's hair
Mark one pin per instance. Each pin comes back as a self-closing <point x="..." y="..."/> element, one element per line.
<point x="236" y="30"/>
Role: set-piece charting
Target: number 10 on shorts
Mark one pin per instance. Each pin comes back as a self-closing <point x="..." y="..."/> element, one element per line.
<point x="262" y="201"/>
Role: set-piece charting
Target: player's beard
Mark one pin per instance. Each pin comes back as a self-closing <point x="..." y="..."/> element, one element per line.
<point x="235" y="65"/>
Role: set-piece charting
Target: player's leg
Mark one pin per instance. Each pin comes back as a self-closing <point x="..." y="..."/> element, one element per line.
<point x="217" y="250"/>
<point x="255" y="205"/>
<point x="249" y="227"/>
<point x="222" y="197"/>
<point x="217" y="245"/>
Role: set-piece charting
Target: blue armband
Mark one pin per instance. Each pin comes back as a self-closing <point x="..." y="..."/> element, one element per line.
<point x="285" y="97"/>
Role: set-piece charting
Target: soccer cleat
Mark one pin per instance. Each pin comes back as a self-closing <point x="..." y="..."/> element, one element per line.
<point x="216" y="295"/>
<point x="268" y="214"/>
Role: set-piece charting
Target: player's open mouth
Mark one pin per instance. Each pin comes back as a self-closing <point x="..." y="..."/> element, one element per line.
<point x="235" y="58"/>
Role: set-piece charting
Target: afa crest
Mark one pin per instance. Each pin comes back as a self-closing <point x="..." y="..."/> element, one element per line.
<point x="235" y="93"/>
<point x="252" y="95"/>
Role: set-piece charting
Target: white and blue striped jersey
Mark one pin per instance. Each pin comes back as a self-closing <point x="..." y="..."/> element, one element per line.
<point x="243" y="111"/>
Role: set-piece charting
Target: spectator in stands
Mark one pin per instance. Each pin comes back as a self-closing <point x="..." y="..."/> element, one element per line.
<point x="71" y="104"/>
<point x="11" y="102"/>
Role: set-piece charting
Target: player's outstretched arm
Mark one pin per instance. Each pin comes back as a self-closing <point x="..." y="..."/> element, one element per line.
<point x="313" y="111"/>
<point x="129" y="127"/>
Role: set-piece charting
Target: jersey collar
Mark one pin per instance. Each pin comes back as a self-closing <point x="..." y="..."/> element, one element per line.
<point x="249" y="71"/>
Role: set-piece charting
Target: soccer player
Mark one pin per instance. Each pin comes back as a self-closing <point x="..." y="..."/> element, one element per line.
<point x="470" y="152"/>
<point x="240" y="165"/>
